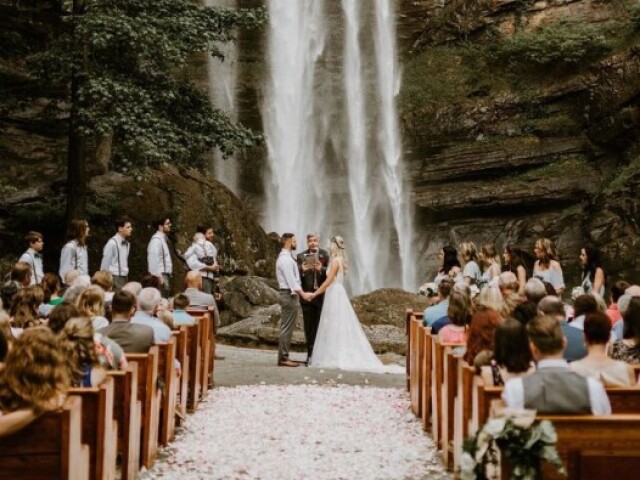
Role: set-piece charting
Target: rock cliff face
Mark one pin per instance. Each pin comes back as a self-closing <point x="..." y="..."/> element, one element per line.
<point x="507" y="141"/>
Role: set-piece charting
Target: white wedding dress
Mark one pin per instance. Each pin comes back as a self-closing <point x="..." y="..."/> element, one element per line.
<point x="341" y="342"/>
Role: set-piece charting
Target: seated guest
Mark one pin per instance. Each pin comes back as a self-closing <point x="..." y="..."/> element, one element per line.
<point x="628" y="349"/>
<point x="132" y="337"/>
<point x="508" y="284"/>
<point x="439" y="310"/>
<point x="104" y="280"/>
<point x="133" y="287"/>
<point x="148" y="303"/>
<point x="574" y="348"/>
<point x="535" y="290"/>
<point x="78" y="346"/>
<point x="36" y="356"/>
<point x="60" y="315"/>
<point x="511" y="302"/>
<point x="4" y="348"/>
<point x="52" y="287"/>
<point x="481" y="334"/>
<point x="21" y="274"/>
<point x="197" y="298"/>
<point x="180" y="316"/>
<point x="582" y="306"/>
<point x="511" y="356"/>
<point x="462" y="300"/>
<point x="150" y="281"/>
<point x="554" y="388"/>
<point x="597" y="364"/>
<point x="457" y="319"/>
<point x="24" y="310"/>
<point x="91" y="304"/>
<point x="5" y="328"/>
<point x="525" y="312"/>
<point x="71" y="276"/>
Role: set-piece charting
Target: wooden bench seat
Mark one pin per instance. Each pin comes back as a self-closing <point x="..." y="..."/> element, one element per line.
<point x="149" y="396"/>
<point x="49" y="448"/>
<point x="205" y="319"/>
<point x="167" y="372"/>
<point x="194" y="353"/>
<point x="127" y="412"/>
<point x="99" y="428"/>
<point x="183" y="357"/>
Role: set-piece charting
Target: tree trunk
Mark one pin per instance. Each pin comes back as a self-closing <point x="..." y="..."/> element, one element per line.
<point x="76" y="155"/>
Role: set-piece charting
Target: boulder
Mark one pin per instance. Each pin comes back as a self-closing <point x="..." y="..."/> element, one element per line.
<point x="387" y="306"/>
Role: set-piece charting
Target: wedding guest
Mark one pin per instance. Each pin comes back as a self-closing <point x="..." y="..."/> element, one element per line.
<point x="490" y="262"/>
<point x="534" y="290"/>
<point x="574" y="347"/>
<point x="33" y="256"/>
<point x="134" y="288"/>
<point x="159" y="255"/>
<point x="91" y="304"/>
<point x="197" y="298"/>
<point x="454" y="327"/>
<point x="471" y="272"/>
<point x="514" y="262"/>
<point x="74" y="255"/>
<point x="5" y="328"/>
<point x="205" y="258"/>
<point x="21" y="274"/>
<point x="115" y="254"/>
<point x="597" y="364"/>
<point x="628" y="349"/>
<point x="593" y="277"/>
<point x="511" y="302"/>
<point x="78" y="346"/>
<point x="24" y="311"/>
<point x="180" y="316"/>
<point x="450" y="265"/>
<point x="480" y="337"/>
<point x="104" y="280"/>
<point x="51" y="286"/>
<point x="60" y="315"/>
<point x="554" y="388"/>
<point x="36" y="356"/>
<point x="617" y="290"/>
<point x="70" y="277"/>
<point x="439" y="309"/>
<point x="508" y="284"/>
<point x="132" y="337"/>
<point x="491" y="297"/>
<point x="511" y="355"/>
<point x="582" y="306"/>
<point x="151" y="281"/>
<point x="148" y="303"/>
<point x="547" y="266"/>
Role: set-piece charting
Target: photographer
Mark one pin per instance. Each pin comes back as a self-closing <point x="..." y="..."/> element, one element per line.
<point x="202" y="257"/>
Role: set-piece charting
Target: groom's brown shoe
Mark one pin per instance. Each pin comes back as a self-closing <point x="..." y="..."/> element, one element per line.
<point x="287" y="363"/>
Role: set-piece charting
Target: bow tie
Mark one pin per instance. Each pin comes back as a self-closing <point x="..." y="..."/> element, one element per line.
<point x="124" y="243"/>
<point x="38" y="255"/>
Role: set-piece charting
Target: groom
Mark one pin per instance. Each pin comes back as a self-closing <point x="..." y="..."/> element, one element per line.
<point x="290" y="294"/>
<point x="313" y="275"/>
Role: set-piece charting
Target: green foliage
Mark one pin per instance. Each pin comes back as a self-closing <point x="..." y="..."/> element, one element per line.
<point x="624" y="177"/>
<point x="561" y="43"/>
<point x="128" y="56"/>
<point x="634" y="14"/>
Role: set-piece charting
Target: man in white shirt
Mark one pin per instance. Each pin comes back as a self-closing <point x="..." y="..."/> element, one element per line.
<point x="33" y="256"/>
<point x="159" y="255"/>
<point x="290" y="292"/>
<point x="115" y="254"/>
<point x="209" y="258"/>
<point x="554" y="388"/>
<point x="148" y="303"/>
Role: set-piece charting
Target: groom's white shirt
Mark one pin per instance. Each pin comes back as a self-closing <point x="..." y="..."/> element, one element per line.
<point x="287" y="272"/>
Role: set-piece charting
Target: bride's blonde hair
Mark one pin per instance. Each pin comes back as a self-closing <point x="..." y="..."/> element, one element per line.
<point x="338" y="250"/>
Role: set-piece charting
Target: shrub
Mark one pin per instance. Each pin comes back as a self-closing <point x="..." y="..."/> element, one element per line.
<point x="562" y="43"/>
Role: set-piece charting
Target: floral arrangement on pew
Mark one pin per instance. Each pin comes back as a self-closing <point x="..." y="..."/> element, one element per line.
<point x="521" y="443"/>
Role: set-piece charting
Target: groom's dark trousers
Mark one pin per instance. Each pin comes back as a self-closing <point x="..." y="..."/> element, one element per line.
<point x="311" y="311"/>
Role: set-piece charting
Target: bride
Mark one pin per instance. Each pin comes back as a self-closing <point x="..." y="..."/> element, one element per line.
<point x="341" y="341"/>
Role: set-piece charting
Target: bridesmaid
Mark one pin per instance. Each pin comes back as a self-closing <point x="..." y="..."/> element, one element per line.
<point x="593" y="277"/>
<point x="547" y="266"/>
<point x="514" y="262"/>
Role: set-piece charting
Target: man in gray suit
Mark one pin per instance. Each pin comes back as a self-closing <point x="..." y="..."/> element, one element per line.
<point x="197" y="298"/>
<point x="132" y="337"/>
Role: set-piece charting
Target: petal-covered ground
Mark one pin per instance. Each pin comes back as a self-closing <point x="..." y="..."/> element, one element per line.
<point x="314" y="432"/>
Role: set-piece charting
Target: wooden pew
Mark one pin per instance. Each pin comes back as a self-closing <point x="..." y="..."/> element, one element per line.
<point x="425" y="384"/>
<point x="49" y="448"/>
<point x="99" y="429"/>
<point x="449" y="397"/>
<point x="183" y="357"/>
<point x="128" y="413"/>
<point x="167" y="372"/>
<point x="205" y="319"/>
<point x="438" y="390"/>
<point x="593" y="448"/>
<point x="194" y="353"/>
<point x="636" y="370"/>
<point x="149" y="396"/>
<point x="407" y="330"/>
<point x="414" y="359"/>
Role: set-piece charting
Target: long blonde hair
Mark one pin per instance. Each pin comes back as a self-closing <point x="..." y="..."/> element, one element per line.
<point x="337" y="249"/>
<point x="91" y="301"/>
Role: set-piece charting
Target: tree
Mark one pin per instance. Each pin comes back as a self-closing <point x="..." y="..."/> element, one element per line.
<point x="121" y="65"/>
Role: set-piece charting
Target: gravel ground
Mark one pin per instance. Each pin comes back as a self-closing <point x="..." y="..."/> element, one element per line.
<point x="277" y="423"/>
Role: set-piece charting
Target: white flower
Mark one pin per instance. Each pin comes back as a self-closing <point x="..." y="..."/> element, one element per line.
<point x="494" y="427"/>
<point x="467" y="465"/>
<point x="548" y="433"/>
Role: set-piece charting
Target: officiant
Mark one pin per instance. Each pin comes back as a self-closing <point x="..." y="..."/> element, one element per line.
<point x="312" y="264"/>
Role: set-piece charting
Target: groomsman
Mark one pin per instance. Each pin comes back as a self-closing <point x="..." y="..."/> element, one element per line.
<point x="115" y="254"/>
<point x="33" y="256"/>
<point x="159" y="255"/>
<point x="207" y="256"/>
<point x="312" y="276"/>
<point x="74" y="254"/>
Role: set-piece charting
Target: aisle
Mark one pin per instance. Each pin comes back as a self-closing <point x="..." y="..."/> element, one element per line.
<point x="287" y="432"/>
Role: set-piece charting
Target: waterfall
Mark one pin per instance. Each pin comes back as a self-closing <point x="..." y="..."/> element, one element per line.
<point x="334" y="151"/>
<point x="222" y="92"/>
<point x="389" y="136"/>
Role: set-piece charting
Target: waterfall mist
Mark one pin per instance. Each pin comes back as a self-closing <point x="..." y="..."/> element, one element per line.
<point x="334" y="152"/>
